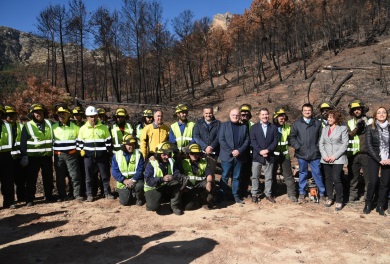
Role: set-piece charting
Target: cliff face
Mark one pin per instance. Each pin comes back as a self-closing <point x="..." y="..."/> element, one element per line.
<point x="17" y="48"/>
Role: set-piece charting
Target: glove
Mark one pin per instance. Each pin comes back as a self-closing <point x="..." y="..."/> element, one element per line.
<point x="24" y="161"/>
<point x="82" y="153"/>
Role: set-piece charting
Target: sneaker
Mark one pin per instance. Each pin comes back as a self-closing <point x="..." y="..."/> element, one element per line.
<point x="206" y="207"/>
<point x="90" y="198"/>
<point x="29" y="204"/>
<point x="60" y="199"/>
<point x="177" y="211"/>
<point x="80" y="198"/>
<point x="271" y="199"/>
<point x="139" y="202"/>
<point x="293" y="199"/>
<point x="255" y="199"/>
<point x="69" y="198"/>
<point x="238" y="200"/>
<point x="301" y="198"/>
<point x="110" y="196"/>
<point x="12" y="206"/>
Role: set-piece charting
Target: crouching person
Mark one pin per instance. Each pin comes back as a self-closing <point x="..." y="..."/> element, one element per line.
<point x="200" y="185"/>
<point x="127" y="168"/>
<point x="163" y="180"/>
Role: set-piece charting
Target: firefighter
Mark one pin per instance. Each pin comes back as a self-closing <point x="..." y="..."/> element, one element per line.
<point x="282" y="157"/>
<point x="181" y="131"/>
<point x="19" y="172"/>
<point x="324" y="109"/>
<point x="36" y="147"/>
<point x="6" y="162"/>
<point x="120" y="128"/>
<point x="147" y="118"/>
<point x="94" y="143"/>
<point x="65" y="155"/>
<point x="102" y="116"/>
<point x="127" y="168"/>
<point x="200" y="185"/>
<point x="357" y="152"/>
<point x="78" y="116"/>
<point x="162" y="180"/>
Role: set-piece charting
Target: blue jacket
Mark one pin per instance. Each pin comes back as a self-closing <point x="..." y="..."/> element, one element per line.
<point x="157" y="181"/>
<point x="207" y="135"/>
<point x="226" y="142"/>
<point x="116" y="173"/>
<point x="259" y="142"/>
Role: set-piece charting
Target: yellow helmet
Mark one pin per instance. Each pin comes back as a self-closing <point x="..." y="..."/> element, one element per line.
<point x="245" y="108"/>
<point x="78" y="110"/>
<point x="180" y="108"/>
<point x="164" y="148"/>
<point x="194" y="148"/>
<point x="147" y="112"/>
<point x="325" y="105"/>
<point x="356" y="104"/>
<point x="279" y="111"/>
<point x="9" y="109"/>
<point x="63" y="109"/>
<point x="36" y="107"/>
<point x="120" y="112"/>
<point x="101" y="111"/>
<point x="128" y="139"/>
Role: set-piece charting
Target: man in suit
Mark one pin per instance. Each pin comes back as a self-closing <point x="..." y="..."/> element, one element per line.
<point x="234" y="141"/>
<point x="264" y="139"/>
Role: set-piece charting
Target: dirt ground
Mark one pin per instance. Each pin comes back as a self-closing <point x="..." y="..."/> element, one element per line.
<point x="106" y="232"/>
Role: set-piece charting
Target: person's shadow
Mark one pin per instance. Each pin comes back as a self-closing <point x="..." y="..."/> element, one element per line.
<point x="97" y="247"/>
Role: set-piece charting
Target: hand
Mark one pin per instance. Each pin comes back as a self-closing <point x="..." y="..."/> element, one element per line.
<point x="152" y="158"/>
<point x="129" y="183"/>
<point x="264" y="152"/>
<point x="331" y="159"/>
<point x="385" y="162"/>
<point x="82" y="153"/>
<point x="208" y="186"/>
<point x="235" y="153"/>
<point x="167" y="178"/>
<point x="209" y="150"/>
<point x="24" y="161"/>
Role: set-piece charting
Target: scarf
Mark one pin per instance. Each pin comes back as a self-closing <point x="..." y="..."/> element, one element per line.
<point x="383" y="139"/>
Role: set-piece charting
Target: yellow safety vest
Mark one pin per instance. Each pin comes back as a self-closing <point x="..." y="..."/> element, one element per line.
<point x="16" y="147"/>
<point x="127" y="169"/>
<point x="200" y="176"/>
<point x="6" y="138"/>
<point x="158" y="173"/>
<point x="40" y="144"/>
<point x="94" y="140"/>
<point x="64" y="137"/>
<point x="183" y="140"/>
<point x="117" y="135"/>
<point x="353" y="144"/>
<point x="282" y="147"/>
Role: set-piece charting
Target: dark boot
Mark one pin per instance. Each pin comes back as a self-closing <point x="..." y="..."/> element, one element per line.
<point x="380" y="210"/>
<point x="367" y="208"/>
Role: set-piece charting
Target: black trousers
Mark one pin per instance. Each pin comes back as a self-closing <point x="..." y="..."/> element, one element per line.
<point x="170" y="190"/>
<point x="197" y="196"/>
<point x="7" y="178"/>
<point x="20" y="180"/>
<point x="355" y="163"/>
<point x="333" y="174"/>
<point x="285" y="165"/>
<point x="90" y="170"/>
<point x="45" y="164"/>
<point x="374" y="179"/>
<point x="126" y="196"/>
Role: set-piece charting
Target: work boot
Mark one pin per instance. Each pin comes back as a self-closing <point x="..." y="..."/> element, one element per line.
<point x="255" y="199"/>
<point x="301" y="198"/>
<point x="90" y="198"/>
<point x="139" y="202"/>
<point x="109" y="196"/>
<point x="29" y="204"/>
<point x="367" y="208"/>
<point x="80" y="198"/>
<point x="238" y="200"/>
<point x="293" y="198"/>
<point x="177" y="211"/>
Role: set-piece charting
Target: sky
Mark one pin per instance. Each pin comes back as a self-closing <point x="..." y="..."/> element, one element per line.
<point x="22" y="14"/>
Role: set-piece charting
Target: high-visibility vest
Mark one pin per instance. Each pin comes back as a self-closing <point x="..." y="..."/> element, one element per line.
<point x="282" y="147"/>
<point x="40" y="144"/>
<point x="183" y="140"/>
<point x="200" y="175"/>
<point x="158" y="173"/>
<point x="127" y="169"/>
<point x="94" y="140"/>
<point x="353" y="144"/>
<point x="64" y="137"/>
<point x="117" y="135"/>
<point x="16" y="147"/>
<point x="138" y="131"/>
<point x="6" y="138"/>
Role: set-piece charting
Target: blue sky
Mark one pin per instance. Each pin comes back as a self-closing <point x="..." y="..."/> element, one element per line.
<point x="21" y="14"/>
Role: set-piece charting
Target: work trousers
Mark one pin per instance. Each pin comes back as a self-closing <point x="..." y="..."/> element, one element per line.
<point x="170" y="190"/>
<point x="355" y="163"/>
<point x="256" y="171"/>
<point x="374" y="179"/>
<point x="196" y="196"/>
<point x="90" y="170"/>
<point x="65" y="163"/>
<point x="129" y="195"/>
<point x="20" y="180"/>
<point x="333" y="174"/>
<point x="285" y="165"/>
<point x="45" y="164"/>
<point x="7" y="178"/>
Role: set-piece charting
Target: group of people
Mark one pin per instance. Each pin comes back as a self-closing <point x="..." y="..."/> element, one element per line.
<point x="156" y="164"/>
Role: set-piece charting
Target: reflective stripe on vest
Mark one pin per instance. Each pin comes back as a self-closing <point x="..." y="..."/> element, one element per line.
<point x="138" y="132"/>
<point x="353" y="144"/>
<point x="16" y="147"/>
<point x="282" y="146"/>
<point x="118" y="136"/>
<point x="158" y="173"/>
<point x="64" y="137"/>
<point x="200" y="176"/>
<point x="6" y="138"/>
<point x="183" y="140"/>
<point x="40" y="144"/>
<point x="127" y="169"/>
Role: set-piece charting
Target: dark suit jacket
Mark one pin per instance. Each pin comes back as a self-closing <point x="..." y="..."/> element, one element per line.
<point x="226" y="142"/>
<point x="259" y="142"/>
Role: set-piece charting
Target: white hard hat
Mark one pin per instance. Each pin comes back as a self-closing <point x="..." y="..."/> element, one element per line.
<point x="91" y="111"/>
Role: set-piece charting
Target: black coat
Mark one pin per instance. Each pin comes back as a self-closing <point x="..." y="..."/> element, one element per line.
<point x="373" y="142"/>
<point x="207" y="135"/>
<point x="259" y="142"/>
